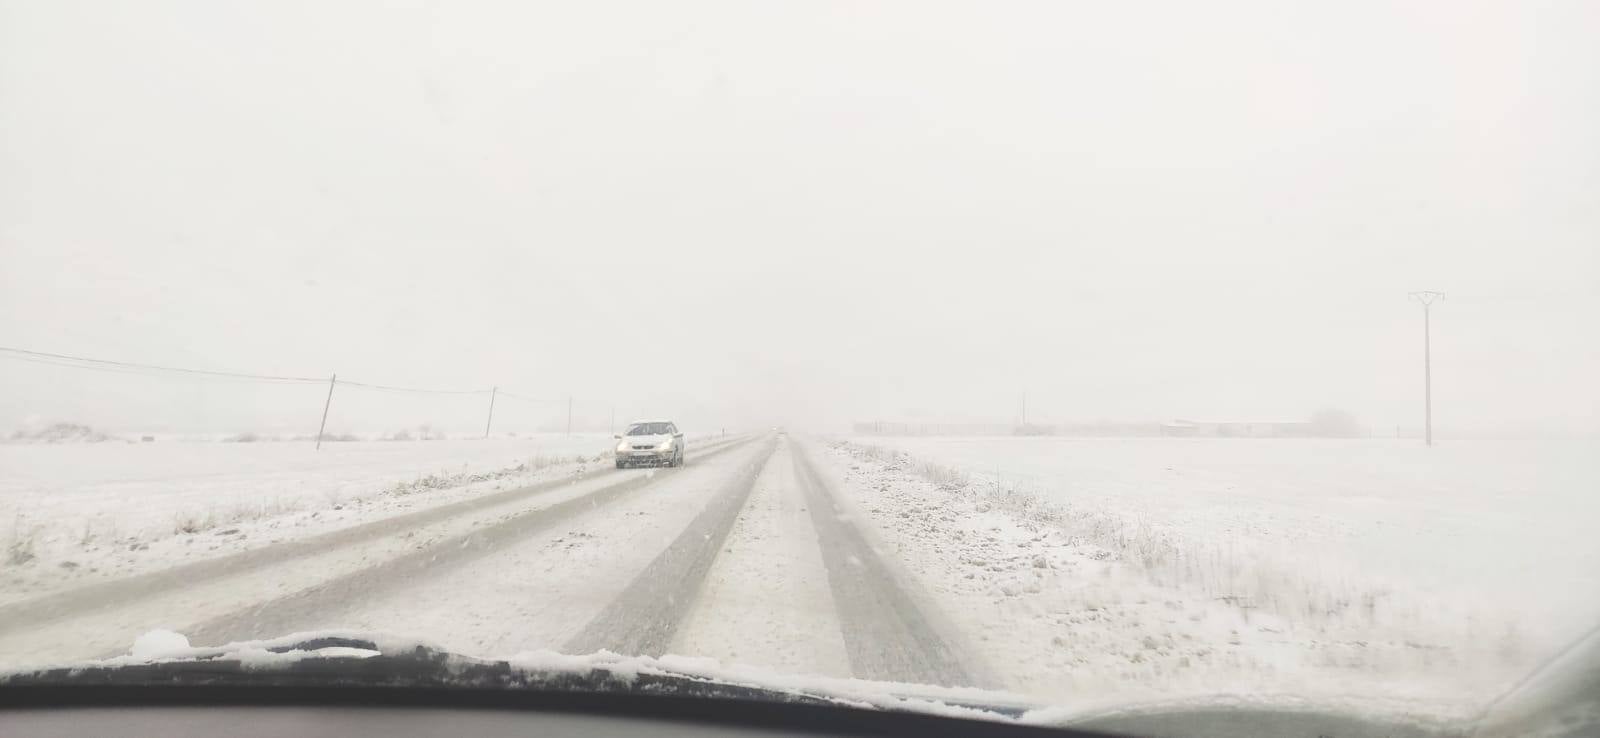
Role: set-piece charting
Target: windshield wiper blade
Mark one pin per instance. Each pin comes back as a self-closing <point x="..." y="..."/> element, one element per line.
<point x="356" y="660"/>
<point x="383" y="672"/>
<point x="298" y="664"/>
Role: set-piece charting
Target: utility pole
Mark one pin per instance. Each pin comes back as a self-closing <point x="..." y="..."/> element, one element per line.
<point x="611" y="426"/>
<point x="325" y="405"/>
<point x="490" y="421"/>
<point x="1427" y="299"/>
<point x="569" y="416"/>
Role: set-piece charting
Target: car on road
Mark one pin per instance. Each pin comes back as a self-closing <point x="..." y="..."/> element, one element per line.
<point x="649" y="443"/>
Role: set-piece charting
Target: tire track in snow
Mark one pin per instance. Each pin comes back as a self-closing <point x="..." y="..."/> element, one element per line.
<point x="58" y="606"/>
<point x="766" y="601"/>
<point x="288" y="613"/>
<point x="539" y="592"/>
<point x="645" y="618"/>
<point x="888" y="635"/>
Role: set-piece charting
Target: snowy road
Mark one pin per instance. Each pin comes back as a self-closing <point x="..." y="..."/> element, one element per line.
<point x="94" y="619"/>
<point x="792" y="556"/>
<point x="685" y="561"/>
<point x="643" y="619"/>
<point x="123" y="591"/>
<point x="890" y="635"/>
<point x="685" y="570"/>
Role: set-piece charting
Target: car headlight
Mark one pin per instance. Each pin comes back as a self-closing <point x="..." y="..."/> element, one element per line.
<point x="665" y="445"/>
<point x="622" y="447"/>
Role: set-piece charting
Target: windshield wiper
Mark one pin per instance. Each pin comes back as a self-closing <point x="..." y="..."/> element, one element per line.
<point x="420" y="666"/>
<point x="355" y="662"/>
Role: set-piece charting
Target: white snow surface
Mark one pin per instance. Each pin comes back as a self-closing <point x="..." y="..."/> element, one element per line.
<point x="87" y="512"/>
<point x="1163" y="568"/>
<point x="1505" y="520"/>
<point x="538" y="592"/>
<point x="1145" y="572"/>
<point x="159" y="644"/>
<point x="141" y="488"/>
<point x="771" y="557"/>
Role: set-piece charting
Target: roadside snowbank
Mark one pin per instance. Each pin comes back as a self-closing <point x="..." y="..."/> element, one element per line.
<point x="1100" y="619"/>
<point x="75" y="514"/>
<point x="1496" y="526"/>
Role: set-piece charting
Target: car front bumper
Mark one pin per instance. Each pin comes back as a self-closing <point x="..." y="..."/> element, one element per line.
<point x="647" y="456"/>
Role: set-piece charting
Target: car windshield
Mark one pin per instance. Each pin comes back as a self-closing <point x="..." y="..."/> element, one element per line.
<point x="1045" y="358"/>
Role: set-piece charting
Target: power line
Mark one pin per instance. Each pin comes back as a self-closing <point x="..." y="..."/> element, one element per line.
<point x="129" y="370"/>
<point x="141" y="369"/>
<point x="85" y="362"/>
<point x="524" y="398"/>
<point x="415" y="390"/>
<point x="136" y="368"/>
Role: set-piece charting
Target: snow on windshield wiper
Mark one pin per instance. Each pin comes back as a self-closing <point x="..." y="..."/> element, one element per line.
<point x="354" y="659"/>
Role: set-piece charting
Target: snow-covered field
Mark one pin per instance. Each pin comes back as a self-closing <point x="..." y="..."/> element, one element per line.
<point x="1184" y="563"/>
<point x="66" y="507"/>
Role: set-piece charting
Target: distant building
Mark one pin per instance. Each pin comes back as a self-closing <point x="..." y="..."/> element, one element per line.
<point x="1100" y="429"/>
<point x="1237" y="428"/>
<point x="1180" y="429"/>
<point x="889" y="428"/>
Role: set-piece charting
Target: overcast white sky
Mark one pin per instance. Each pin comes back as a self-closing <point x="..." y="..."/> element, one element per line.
<point x="806" y="212"/>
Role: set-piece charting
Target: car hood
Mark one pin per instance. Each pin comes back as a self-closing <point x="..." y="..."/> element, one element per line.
<point x="655" y="440"/>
